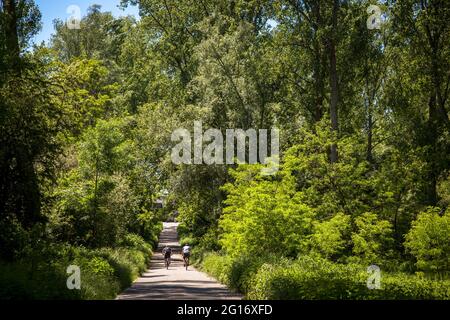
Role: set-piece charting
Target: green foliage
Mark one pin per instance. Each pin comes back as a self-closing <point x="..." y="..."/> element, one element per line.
<point x="97" y="203"/>
<point x="263" y="215"/>
<point x="218" y="266"/>
<point x="128" y="264"/>
<point x="312" y="278"/>
<point x="244" y="268"/>
<point x="87" y="89"/>
<point x="28" y="125"/>
<point x="100" y="266"/>
<point x="330" y="237"/>
<point x="315" y="278"/>
<point x="372" y="239"/>
<point x="50" y="284"/>
<point x="137" y="242"/>
<point x="210" y="240"/>
<point x="309" y="278"/>
<point x="429" y="240"/>
<point x="150" y="229"/>
<point x="104" y="272"/>
<point x="192" y="241"/>
<point x="100" y="36"/>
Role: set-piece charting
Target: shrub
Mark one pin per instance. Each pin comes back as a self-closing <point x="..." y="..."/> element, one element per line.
<point x="404" y="286"/>
<point x="314" y="278"/>
<point x="218" y="266"/>
<point x="236" y="273"/>
<point x="308" y="278"/>
<point x="329" y="236"/>
<point x="104" y="272"/>
<point x="263" y="214"/>
<point x="210" y="240"/>
<point x="16" y="283"/>
<point x="183" y="230"/>
<point x="429" y="240"/>
<point x="98" y="287"/>
<point x="127" y="264"/>
<point x="135" y="241"/>
<point x="372" y="238"/>
<point x="189" y="240"/>
<point x="244" y="268"/>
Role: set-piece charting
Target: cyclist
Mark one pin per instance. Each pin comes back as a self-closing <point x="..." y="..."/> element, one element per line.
<point x="186" y="255"/>
<point x="167" y="253"/>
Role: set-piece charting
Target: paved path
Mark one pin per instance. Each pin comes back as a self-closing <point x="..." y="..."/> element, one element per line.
<point x="176" y="283"/>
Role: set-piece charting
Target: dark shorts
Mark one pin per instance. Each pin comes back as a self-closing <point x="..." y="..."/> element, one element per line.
<point x="186" y="255"/>
<point x="167" y="255"/>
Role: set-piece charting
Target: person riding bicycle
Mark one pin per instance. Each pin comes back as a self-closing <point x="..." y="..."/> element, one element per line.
<point x="186" y="253"/>
<point x="167" y="253"/>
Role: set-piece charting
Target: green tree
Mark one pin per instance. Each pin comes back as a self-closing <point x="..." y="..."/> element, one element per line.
<point x="331" y="237"/>
<point x="428" y="240"/>
<point x="263" y="216"/>
<point x="372" y="239"/>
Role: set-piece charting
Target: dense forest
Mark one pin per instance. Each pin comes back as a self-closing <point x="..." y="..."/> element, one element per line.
<point x="359" y="94"/>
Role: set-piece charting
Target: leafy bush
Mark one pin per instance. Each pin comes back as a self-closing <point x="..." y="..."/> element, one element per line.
<point x="210" y="240"/>
<point x="429" y="240"/>
<point x="183" y="230"/>
<point x="263" y="214"/>
<point x="189" y="240"/>
<point x="186" y="236"/>
<point x="218" y="266"/>
<point x="308" y="278"/>
<point x="128" y="264"/>
<point x="236" y="273"/>
<point x="373" y="237"/>
<point x="137" y="242"/>
<point x="314" y="278"/>
<point x="329" y="236"/>
<point x="244" y="268"/>
<point x="149" y="227"/>
<point x="104" y="272"/>
<point x="18" y="283"/>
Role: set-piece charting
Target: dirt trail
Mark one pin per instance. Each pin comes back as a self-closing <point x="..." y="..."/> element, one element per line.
<point x="176" y="283"/>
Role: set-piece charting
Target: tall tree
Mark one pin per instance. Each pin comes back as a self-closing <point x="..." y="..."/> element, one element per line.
<point x="423" y="36"/>
<point x="10" y="31"/>
<point x="334" y="79"/>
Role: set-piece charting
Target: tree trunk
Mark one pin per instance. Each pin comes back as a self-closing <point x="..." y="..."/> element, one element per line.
<point x="369" y="137"/>
<point x="369" y="98"/>
<point x="319" y="82"/>
<point x="431" y="196"/>
<point x="334" y="81"/>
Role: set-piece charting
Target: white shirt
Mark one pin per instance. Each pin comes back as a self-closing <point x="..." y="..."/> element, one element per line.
<point x="186" y="249"/>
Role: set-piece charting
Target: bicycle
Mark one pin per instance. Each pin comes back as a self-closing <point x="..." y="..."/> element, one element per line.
<point x="186" y="260"/>
<point x="167" y="262"/>
<point x="167" y="253"/>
